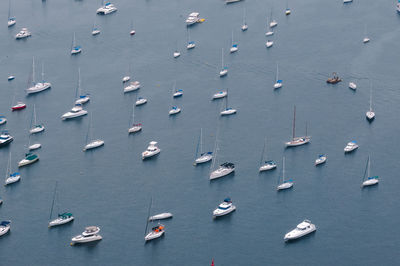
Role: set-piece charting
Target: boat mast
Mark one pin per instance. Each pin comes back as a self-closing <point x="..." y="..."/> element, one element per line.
<point x="9" y="9"/>
<point x="201" y="140"/>
<point x="232" y="37"/>
<point x="244" y="16"/>
<point x="133" y="114"/>
<point x="33" y="70"/>
<point x="42" y="72"/>
<point x="34" y="114"/>
<point x="222" y="58"/>
<point x="294" y="122"/>
<point x="215" y="150"/>
<point x="370" y="98"/>
<point x="262" y="153"/>
<point x="79" y="93"/>
<point x="148" y="216"/>
<point x="54" y="197"/>
<point x="276" y="78"/>
<point x="369" y="166"/>
<point x="283" y="170"/>
<point x="188" y="35"/>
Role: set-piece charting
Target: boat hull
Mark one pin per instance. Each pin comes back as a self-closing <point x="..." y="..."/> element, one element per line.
<point x="6" y="142"/>
<point x="39" y="87"/>
<point x="60" y="221"/>
<point x="203" y="159"/>
<point x="267" y="167"/>
<point x="153" y="235"/>
<point x="93" y="145"/>
<point x="80" y="239"/>
<point x="219" y="213"/>
<point x="293" y="235"/>
<point x="25" y="162"/>
<point x="221" y="173"/>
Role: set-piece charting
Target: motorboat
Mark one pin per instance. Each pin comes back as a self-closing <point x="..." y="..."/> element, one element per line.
<point x="223" y="170"/>
<point x="224" y="208"/>
<point x="155" y="232"/>
<point x="174" y="110"/>
<point x="3" y="119"/>
<point x="334" y="79"/>
<point x="126" y="79"/>
<point x="321" y="159"/>
<point x="132" y="32"/>
<point x="93" y="144"/>
<point x="89" y="235"/>
<point x="228" y="111"/>
<point x="268" y="165"/>
<point x="151" y="150"/>
<point x="30" y="158"/>
<point x="352" y="86"/>
<point x="133" y="86"/>
<point x="191" y="45"/>
<point x="22" y="34"/>
<point x="178" y="93"/>
<point x="269" y="43"/>
<point x="4" y="227"/>
<point x="76" y="111"/>
<point x="204" y="157"/>
<point x="62" y="218"/>
<point x="161" y="216"/>
<point x="135" y="128"/>
<point x="108" y="8"/>
<point x="9" y="78"/>
<point x="285" y="184"/>
<point x="192" y="18"/>
<point x="219" y="95"/>
<point x="140" y="101"/>
<point x="18" y="106"/>
<point x="351" y="146"/>
<point x="35" y="146"/>
<point x="5" y="138"/>
<point x="177" y="54"/>
<point x="302" y="229"/>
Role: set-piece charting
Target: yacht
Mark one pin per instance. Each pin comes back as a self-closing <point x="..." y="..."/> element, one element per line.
<point x="174" y="110"/>
<point x="178" y="93"/>
<point x="89" y="235"/>
<point x="224" y="208"/>
<point x="37" y="86"/>
<point x="133" y="86"/>
<point x="62" y="218"/>
<point x="320" y="160"/>
<point x="76" y="111"/>
<point x="219" y="95"/>
<point x="108" y="8"/>
<point x="285" y="183"/>
<point x="93" y="144"/>
<point x="192" y="18"/>
<point x="140" y="101"/>
<point x="228" y="111"/>
<point x="155" y="232"/>
<point x="36" y="127"/>
<point x="352" y="86"/>
<point x="161" y="216"/>
<point x="369" y="180"/>
<point x="268" y="165"/>
<point x="151" y="150"/>
<point x="18" y="106"/>
<point x="24" y="33"/>
<point x="5" y="138"/>
<point x="269" y="43"/>
<point x="3" y="119"/>
<point x="351" y="146"/>
<point x="126" y="79"/>
<point x="297" y="141"/>
<point x="302" y="229"/>
<point x="223" y="170"/>
<point x="34" y="146"/>
<point x="204" y="157"/>
<point x="4" y="227"/>
<point x="30" y="158"/>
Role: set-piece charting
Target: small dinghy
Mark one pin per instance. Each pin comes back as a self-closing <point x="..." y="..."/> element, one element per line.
<point x="35" y="146"/>
<point x="10" y="78"/>
<point x="140" y="101"/>
<point x="352" y="86"/>
<point x="177" y="54"/>
<point x="161" y="216"/>
<point x="126" y="79"/>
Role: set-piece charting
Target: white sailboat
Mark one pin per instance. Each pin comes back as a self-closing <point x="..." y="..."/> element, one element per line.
<point x="190" y="44"/>
<point x="136" y="127"/>
<point x="287" y="10"/>
<point x="285" y="183"/>
<point x="93" y="143"/>
<point x="297" y="141"/>
<point x="177" y="53"/>
<point x="227" y="110"/>
<point x="269" y="32"/>
<point x="369" y="180"/>
<point x="370" y="113"/>
<point x="156" y="231"/>
<point x="234" y="46"/>
<point x="223" y="169"/>
<point x="224" y="70"/>
<point x="204" y="156"/>
<point x="273" y="22"/>
<point x="62" y="218"/>
<point x="269" y="43"/>
<point x="76" y="49"/>
<point x="95" y="30"/>
<point x="11" y="20"/>
<point x="366" y="38"/>
<point x="11" y="177"/>
<point x="81" y="98"/>
<point x="35" y="127"/>
<point x="244" y="26"/>
<point x="267" y="165"/>
<point x="37" y="86"/>
<point x="220" y="95"/>
<point x="278" y="83"/>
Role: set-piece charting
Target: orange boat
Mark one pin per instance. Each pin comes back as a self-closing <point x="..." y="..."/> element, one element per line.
<point x="333" y="80"/>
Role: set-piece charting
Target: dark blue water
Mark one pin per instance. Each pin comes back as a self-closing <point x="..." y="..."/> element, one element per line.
<point x="111" y="187"/>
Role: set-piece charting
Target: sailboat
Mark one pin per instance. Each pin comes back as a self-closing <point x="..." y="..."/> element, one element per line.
<point x="369" y="180"/>
<point x="11" y="177"/>
<point x="224" y="169"/>
<point x="366" y="39"/>
<point x="136" y="127"/>
<point x="285" y="183"/>
<point x="18" y="106"/>
<point x="278" y="83"/>
<point x="220" y="94"/>
<point x="227" y="110"/>
<point x="132" y="31"/>
<point x="297" y="141"/>
<point x="190" y="44"/>
<point x="81" y="97"/>
<point x="95" y="29"/>
<point x="267" y="165"/>
<point x="94" y="143"/>
<point x="11" y="20"/>
<point x="133" y="85"/>
<point x="35" y="127"/>
<point x="224" y="70"/>
<point x="176" y="53"/>
<point x="287" y="10"/>
<point x="370" y="113"/>
<point x="204" y="156"/>
<point x="37" y="86"/>
<point x="30" y="158"/>
<point x="273" y="22"/>
<point x="156" y="231"/>
<point x="62" y="218"/>
<point x="269" y="43"/>
<point x="270" y="31"/>
<point x="234" y="47"/>
<point x="76" y="49"/>
<point x="244" y="26"/>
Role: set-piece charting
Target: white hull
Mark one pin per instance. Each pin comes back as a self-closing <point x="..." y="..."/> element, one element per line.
<point x="233" y="49"/>
<point x="298" y="141"/>
<point x="13" y="179"/>
<point x="277" y="85"/>
<point x="27" y="162"/>
<point x="76" y="51"/>
<point x="221" y="172"/>
<point x="70" y="115"/>
<point x="161" y="216"/>
<point x="269" y="44"/>
<point x="273" y="24"/>
<point x="4" y="229"/>
<point x="153" y="235"/>
<point x="147" y="154"/>
<point x="190" y="46"/>
<point x="285" y="185"/>
<point x="134" y="86"/>
<point x="244" y="27"/>
<point x="174" y="111"/>
<point x="203" y="159"/>
<point x="95" y="32"/>
<point x="320" y="161"/>
<point x="140" y="102"/>
<point x="370" y="115"/>
<point x="134" y="129"/>
<point x="39" y="87"/>
<point x="267" y="167"/>
<point x="350" y="148"/>
<point x="298" y="233"/>
<point x="11" y="23"/>
<point x="370" y="182"/>
<point x="85" y="239"/>
<point x="352" y="86"/>
<point x="223" y="72"/>
<point x="94" y="144"/>
<point x="35" y="146"/>
<point x="269" y="33"/>
<point x="60" y="221"/>
<point x="365" y="40"/>
<point x="82" y="100"/>
<point x="220" y="95"/>
<point x="228" y="112"/>
<point x="36" y="130"/>
<point x="126" y="79"/>
<point x="219" y="212"/>
<point x="177" y="54"/>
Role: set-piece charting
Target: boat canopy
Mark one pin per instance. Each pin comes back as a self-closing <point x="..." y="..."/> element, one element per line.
<point x="77" y="47"/>
<point x="227" y="200"/>
<point x="270" y="162"/>
<point x="373" y="177"/>
<point x="5" y="223"/>
<point x="14" y="174"/>
<point x="279" y="81"/>
<point x="65" y="215"/>
<point x="234" y="45"/>
<point x="228" y="165"/>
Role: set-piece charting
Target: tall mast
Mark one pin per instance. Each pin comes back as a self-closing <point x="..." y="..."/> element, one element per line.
<point x="232" y="37"/>
<point x="294" y="122"/>
<point x="283" y="171"/>
<point x="33" y="70"/>
<point x="133" y="114"/>
<point x="222" y="58"/>
<point x="276" y="78"/>
<point x="54" y="197"/>
<point x="370" y="98"/>
<point x="369" y="166"/>
<point x="201" y="140"/>
<point x="34" y="114"/>
<point x="42" y="72"/>
<point x="148" y="216"/>
<point x="244" y="16"/>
